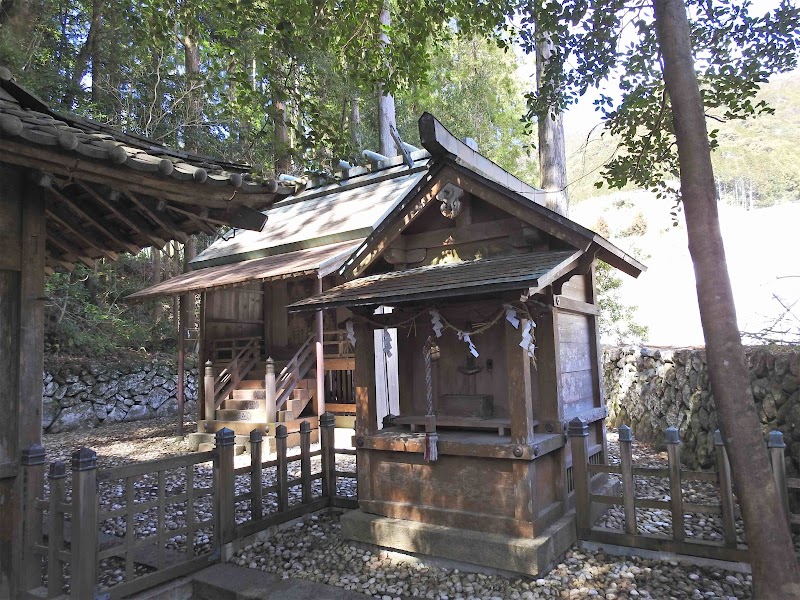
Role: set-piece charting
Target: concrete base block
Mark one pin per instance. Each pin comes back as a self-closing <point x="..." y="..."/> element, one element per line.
<point x="528" y="556"/>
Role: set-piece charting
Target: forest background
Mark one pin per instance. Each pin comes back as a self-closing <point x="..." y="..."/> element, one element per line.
<point x="288" y="88"/>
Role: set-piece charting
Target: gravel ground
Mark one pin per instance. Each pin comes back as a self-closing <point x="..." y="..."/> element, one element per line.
<point x="313" y="549"/>
<point x="128" y="443"/>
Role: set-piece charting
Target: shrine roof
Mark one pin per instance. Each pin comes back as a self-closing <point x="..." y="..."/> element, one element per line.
<point x="291" y="264"/>
<point x="485" y="276"/>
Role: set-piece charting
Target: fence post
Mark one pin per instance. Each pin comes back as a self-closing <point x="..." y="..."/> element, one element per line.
<point x="672" y="439"/>
<point x="83" y="563"/>
<point x="283" y="476"/>
<point x="776" y="447"/>
<point x="578" y="432"/>
<point x="33" y="480"/>
<point x="628" y="485"/>
<point x="725" y="491"/>
<point x="55" y="538"/>
<point x="269" y="387"/>
<point x="256" y="475"/>
<point x="305" y="459"/>
<point x="226" y="487"/>
<point x="327" y="443"/>
<point x="208" y="392"/>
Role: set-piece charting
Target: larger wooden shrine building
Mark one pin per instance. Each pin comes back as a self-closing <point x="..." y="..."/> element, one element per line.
<point x="441" y="261"/>
<point x="73" y="191"/>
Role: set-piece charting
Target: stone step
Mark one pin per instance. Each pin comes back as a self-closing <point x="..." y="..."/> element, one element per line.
<point x="257" y="404"/>
<point x="249" y="394"/>
<point x="225" y="414"/>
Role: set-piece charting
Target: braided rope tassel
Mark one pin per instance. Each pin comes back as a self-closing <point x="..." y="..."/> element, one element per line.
<point x="431" y="437"/>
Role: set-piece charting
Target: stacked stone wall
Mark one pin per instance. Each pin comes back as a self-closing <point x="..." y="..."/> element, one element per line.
<point x="651" y="389"/>
<point x="87" y="393"/>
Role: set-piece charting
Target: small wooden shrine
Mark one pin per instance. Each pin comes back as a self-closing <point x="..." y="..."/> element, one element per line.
<point x="493" y="297"/>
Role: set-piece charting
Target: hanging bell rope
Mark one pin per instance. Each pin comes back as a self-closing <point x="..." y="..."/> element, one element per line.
<point x="431" y="354"/>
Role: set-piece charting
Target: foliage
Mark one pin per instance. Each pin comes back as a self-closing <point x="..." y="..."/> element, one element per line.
<point x="85" y="315"/>
<point x="617" y="320"/>
<point x="735" y="53"/>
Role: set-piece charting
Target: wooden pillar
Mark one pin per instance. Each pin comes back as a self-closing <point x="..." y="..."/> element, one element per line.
<point x="225" y="513"/>
<point x="319" y="397"/>
<point x="366" y="408"/>
<point x="22" y="247"/>
<point x="201" y="359"/>
<point x="777" y="448"/>
<point x="33" y="463"/>
<point x="256" y="475"/>
<point x="186" y="312"/>
<point x="673" y="441"/>
<point x="83" y="562"/>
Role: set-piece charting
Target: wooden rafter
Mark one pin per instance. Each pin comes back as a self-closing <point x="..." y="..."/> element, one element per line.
<point x="69" y="252"/>
<point x="52" y="213"/>
<point x="130" y="219"/>
<point x="114" y="237"/>
<point x="206" y="223"/>
<point x="161" y="220"/>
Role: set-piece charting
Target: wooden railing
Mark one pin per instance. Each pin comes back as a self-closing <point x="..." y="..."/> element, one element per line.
<point x="339" y="388"/>
<point x="170" y="517"/>
<point x="726" y="509"/>
<point x="295" y="370"/>
<point x="335" y="343"/>
<point x="218" y="386"/>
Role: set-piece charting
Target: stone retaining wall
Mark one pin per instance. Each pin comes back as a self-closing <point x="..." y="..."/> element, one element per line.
<point x="651" y="389"/>
<point x="86" y="393"/>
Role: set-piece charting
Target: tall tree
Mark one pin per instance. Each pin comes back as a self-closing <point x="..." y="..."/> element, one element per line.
<point x="387" y="119"/>
<point x="775" y="570"/>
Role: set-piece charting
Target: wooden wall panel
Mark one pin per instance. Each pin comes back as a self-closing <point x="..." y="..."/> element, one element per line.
<point x="453" y="482"/>
<point x="578" y="385"/>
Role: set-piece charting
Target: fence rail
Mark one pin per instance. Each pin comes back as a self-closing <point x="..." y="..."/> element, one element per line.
<point x="207" y="507"/>
<point x="728" y="548"/>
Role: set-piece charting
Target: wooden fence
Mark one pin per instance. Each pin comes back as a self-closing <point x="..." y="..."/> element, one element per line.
<point x="128" y="528"/>
<point x="728" y="548"/>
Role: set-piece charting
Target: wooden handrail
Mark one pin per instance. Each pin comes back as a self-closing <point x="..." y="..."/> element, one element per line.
<point x="235" y="371"/>
<point x="295" y="370"/>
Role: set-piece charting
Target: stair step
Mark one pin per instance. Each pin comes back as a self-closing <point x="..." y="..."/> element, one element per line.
<point x="224" y="414"/>
<point x="301" y="394"/>
<point x="255" y="404"/>
<point x="296" y="405"/>
<point x="249" y="394"/>
<point x="245" y="427"/>
<point x="251" y="384"/>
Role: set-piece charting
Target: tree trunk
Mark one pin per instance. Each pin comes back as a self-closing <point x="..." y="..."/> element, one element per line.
<point x="191" y="60"/>
<point x="386" y="112"/>
<point x="86" y="52"/>
<point x="775" y="571"/>
<point x="283" y="162"/>
<point x="552" y="152"/>
<point x="355" y="123"/>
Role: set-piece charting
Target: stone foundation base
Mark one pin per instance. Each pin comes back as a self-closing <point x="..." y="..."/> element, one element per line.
<point x="529" y="556"/>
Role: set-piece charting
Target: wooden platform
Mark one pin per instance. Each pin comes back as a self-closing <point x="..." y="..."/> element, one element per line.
<point x="417" y="423"/>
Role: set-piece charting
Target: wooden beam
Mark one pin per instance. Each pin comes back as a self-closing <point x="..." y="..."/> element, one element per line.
<point x="161" y="220"/>
<point x="128" y="218"/>
<point x="204" y="223"/>
<point x="70" y="252"/>
<point x="114" y="237"/>
<point x="77" y="231"/>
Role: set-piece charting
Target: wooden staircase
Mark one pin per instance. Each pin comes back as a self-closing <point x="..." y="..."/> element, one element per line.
<point x="237" y="391"/>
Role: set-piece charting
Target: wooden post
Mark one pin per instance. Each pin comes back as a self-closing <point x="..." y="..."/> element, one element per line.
<point x="725" y="491"/>
<point x="327" y="423"/>
<point x="520" y="395"/>
<point x="777" y="447"/>
<point x="319" y="397"/>
<point x="628" y="487"/>
<point x="578" y="432"/>
<point x="83" y="563"/>
<point x="33" y="482"/>
<point x="305" y="459"/>
<point x="366" y="408"/>
<point x="55" y="537"/>
<point x="256" y="475"/>
<point x="283" y="476"/>
<point x="269" y="387"/>
<point x="226" y="490"/>
<point x="181" y="396"/>
<point x="673" y="441"/>
<point x="208" y="392"/>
